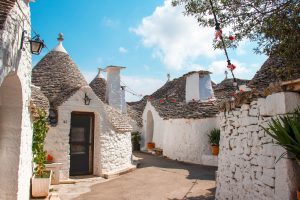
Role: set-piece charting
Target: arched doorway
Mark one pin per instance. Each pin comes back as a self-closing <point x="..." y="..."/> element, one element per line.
<point x="150" y="128"/>
<point x="10" y="135"/>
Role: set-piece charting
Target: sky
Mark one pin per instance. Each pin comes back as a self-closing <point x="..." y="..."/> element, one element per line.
<point x="150" y="38"/>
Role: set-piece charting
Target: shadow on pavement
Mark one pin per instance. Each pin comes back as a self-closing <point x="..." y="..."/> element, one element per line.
<point x="195" y="171"/>
<point x="210" y="196"/>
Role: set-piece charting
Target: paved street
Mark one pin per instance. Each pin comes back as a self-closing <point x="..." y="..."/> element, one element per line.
<point x="156" y="179"/>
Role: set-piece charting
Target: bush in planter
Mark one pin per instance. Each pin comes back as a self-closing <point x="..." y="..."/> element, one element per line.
<point x="40" y="129"/>
<point x="42" y="178"/>
<point x="286" y="131"/>
<point x="135" y="139"/>
<point x="214" y="139"/>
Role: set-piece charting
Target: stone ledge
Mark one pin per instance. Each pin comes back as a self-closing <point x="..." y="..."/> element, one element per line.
<point x="279" y="103"/>
<point x="118" y="173"/>
<point x="210" y="160"/>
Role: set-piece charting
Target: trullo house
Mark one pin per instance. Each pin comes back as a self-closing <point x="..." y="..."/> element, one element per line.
<point x="178" y="117"/>
<point x="86" y="135"/>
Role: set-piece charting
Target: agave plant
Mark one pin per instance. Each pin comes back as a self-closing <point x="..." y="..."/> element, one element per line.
<point x="214" y="137"/>
<point x="286" y="131"/>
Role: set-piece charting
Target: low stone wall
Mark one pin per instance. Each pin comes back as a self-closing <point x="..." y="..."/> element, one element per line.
<point x="247" y="167"/>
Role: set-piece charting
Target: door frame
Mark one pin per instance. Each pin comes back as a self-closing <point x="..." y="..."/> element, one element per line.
<point x="91" y="114"/>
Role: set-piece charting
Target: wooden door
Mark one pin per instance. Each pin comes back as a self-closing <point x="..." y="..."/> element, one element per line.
<point x="81" y="143"/>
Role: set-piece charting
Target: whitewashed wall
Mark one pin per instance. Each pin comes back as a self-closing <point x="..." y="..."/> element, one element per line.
<point x="181" y="139"/>
<point x="246" y="166"/>
<point x="192" y="90"/>
<point x="16" y="172"/>
<point x="158" y="131"/>
<point x="187" y="140"/>
<point x="112" y="150"/>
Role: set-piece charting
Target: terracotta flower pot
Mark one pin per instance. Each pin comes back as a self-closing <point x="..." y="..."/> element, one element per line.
<point x="215" y="150"/>
<point x="298" y="194"/>
<point x="151" y="145"/>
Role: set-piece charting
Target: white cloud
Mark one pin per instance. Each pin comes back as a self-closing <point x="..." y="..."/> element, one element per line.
<point x="146" y="67"/>
<point x="122" y="50"/>
<point x="176" y="39"/>
<point x="141" y="85"/>
<point x="89" y="75"/>
<point x="243" y="70"/>
<point x="111" y="23"/>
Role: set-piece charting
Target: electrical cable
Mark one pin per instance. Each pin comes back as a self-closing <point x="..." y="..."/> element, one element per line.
<point x="217" y="28"/>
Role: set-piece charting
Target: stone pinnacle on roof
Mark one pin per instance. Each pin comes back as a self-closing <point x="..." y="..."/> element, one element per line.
<point x="99" y="72"/>
<point x="60" y="47"/>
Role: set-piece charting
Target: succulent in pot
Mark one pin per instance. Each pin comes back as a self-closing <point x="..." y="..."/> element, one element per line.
<point x="214" y="139"/>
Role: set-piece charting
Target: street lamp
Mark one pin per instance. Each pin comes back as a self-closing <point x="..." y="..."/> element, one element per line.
<point x="87" y="100"/>
<point x="36" y="44"/>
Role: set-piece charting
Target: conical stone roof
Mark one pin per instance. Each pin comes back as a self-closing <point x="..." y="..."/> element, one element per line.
<point x="99" y="86"/>
<point x="57" y="76"/>
<point x="273" y="70"/>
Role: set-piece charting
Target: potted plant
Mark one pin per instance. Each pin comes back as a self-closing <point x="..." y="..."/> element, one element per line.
<point x="286" y="131"/>
<point x="135" y="139"/>
<point x="150" y="145"/>
<point x="214" y="139"/>
<point x="41" y="178"/>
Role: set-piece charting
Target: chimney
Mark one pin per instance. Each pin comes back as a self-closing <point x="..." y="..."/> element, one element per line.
<point x="124" y="104"/>
<point x="198" y="87"/>
<point x="113" y="88"/>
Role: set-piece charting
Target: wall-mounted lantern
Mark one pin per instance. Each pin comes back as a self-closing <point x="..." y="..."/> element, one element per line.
<point x="87" y="100"/>
<point x="36" y="44"/>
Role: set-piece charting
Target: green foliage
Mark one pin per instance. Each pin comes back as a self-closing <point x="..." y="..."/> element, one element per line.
<point x="135" y="137"/>
<point x="275" y="24"/>
<point x="286" y="131"/>
<point x="40" y="129"/>
<point x="214" y="137"/>
<point x="135" y="140"/>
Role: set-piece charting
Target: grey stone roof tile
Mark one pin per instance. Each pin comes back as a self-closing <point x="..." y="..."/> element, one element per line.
<point x="5" y="7"/>
<point x="99" y="87"/>
<point x="58" y="77"/>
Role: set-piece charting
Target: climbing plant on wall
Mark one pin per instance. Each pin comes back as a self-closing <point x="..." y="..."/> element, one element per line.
<point x="40" y="129"/>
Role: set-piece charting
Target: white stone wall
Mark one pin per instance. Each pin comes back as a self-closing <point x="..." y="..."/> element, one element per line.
<point x="192" y="90"/>
<point x="181" y="139"/>
<point x="17" y="63"/>
<point x="246" y="166"/>
<point x="112" y="150"/>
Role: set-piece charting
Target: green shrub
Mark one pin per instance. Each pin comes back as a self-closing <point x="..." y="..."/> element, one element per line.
<point x="214" y="137"/>
<point x="286" y="131"/>
<point x="40" y="129"/>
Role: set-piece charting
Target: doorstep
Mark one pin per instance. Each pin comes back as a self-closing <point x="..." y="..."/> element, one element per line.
<point x="53" y="195"/>
<point x="118" y="173"/>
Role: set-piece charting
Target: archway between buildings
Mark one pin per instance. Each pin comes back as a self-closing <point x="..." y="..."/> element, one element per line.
<point x="10" y="135"/>
<point x="150" y="127"/>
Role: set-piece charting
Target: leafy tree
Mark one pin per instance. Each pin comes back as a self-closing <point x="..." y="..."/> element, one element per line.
<point x="274" y="24"/>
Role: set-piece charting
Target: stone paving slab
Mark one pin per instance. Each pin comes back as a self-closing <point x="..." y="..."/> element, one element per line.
<point x="157" y="179"/>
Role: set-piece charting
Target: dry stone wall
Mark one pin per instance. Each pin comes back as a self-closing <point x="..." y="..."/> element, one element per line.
<point x="247" y="167"/>
<point x="16" y="64"/>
